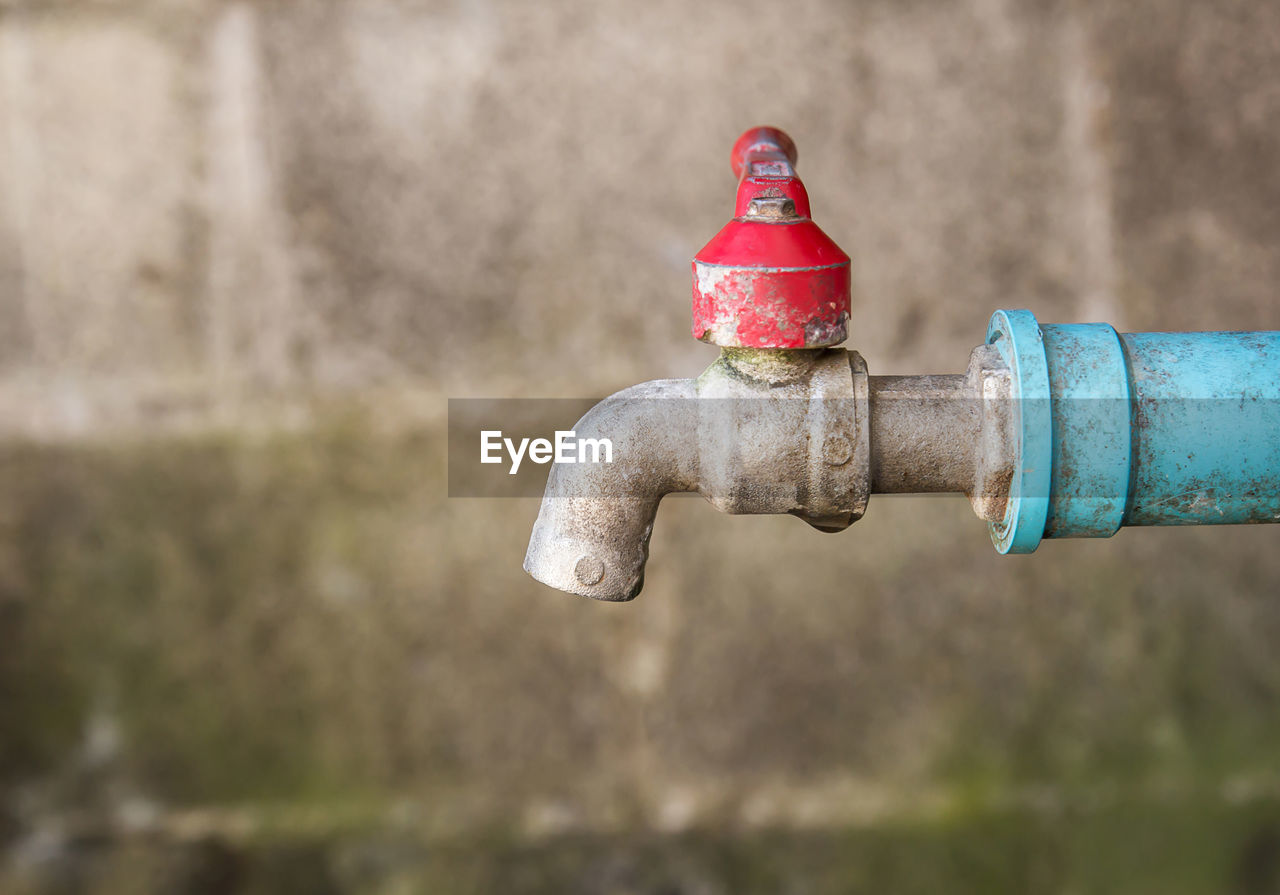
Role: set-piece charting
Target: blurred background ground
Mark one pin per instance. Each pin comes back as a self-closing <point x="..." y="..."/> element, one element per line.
<point x="247" y="644"/>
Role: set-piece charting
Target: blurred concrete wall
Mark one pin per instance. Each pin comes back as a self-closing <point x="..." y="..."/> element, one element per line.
<point x="248" y="249"/>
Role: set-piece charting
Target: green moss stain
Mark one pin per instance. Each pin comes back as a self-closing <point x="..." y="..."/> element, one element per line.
<point x="188" y="588"/>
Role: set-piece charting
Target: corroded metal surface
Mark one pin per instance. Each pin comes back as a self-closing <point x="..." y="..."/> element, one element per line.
<point x="949" y="433"/>
<point x="786" y="433"/>
<point x="926" y="433"/>
<point x="592" y="533"/>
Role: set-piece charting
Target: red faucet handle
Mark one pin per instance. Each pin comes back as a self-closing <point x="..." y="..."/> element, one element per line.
<point x="763" y="152"/>
<point x="771" y="278"/>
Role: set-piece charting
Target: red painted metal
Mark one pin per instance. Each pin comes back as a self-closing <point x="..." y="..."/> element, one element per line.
<point x="771" y="278"/>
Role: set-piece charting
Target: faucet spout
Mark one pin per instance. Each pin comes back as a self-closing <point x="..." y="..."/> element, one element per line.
<point x="592" y="533"/>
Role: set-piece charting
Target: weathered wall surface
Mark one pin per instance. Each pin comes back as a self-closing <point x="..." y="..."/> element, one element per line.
<point x="247" y="250"/>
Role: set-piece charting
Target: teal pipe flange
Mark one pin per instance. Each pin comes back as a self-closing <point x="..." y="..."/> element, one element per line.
<point x="1017" y="337"/>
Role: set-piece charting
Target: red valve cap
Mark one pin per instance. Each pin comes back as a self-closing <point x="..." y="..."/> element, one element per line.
<point x="771" y="278"/>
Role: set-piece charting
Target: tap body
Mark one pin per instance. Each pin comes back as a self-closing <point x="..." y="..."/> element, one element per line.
<point x="758" y="432"/>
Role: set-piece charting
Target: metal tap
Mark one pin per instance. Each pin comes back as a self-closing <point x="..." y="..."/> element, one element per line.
<point x="1053" y="430"/>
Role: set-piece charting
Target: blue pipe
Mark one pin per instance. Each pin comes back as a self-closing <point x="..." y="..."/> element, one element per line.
<point x="1137" y="429"/>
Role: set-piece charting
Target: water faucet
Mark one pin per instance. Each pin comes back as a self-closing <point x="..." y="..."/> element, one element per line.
<point x="1052" y="431"/>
